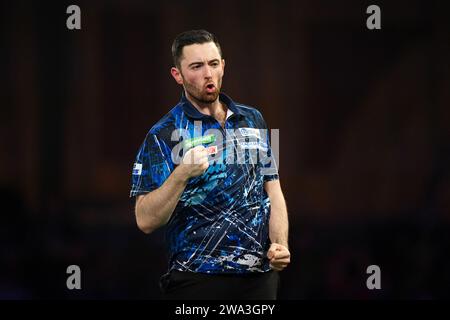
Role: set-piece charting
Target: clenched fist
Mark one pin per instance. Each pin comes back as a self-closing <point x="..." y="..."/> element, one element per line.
<point x="195" y="162"/>
<point x="279" y="256"/>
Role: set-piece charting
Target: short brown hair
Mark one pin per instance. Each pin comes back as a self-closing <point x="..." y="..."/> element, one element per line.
<point x="191" y="37"/>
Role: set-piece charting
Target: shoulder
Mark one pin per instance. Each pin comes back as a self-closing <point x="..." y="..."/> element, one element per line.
<point x="251" y="113"/>
<point x="160" y="134"/>
<point x="167" y="122"/>
<point x="165" y="126"/>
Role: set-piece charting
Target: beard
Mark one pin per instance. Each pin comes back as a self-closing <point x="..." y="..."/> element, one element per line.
<point x="200" y="95"/>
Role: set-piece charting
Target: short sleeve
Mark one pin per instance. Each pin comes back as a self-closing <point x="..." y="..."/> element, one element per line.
<point x="152" y="166"/>
<point x="269" y="167"/>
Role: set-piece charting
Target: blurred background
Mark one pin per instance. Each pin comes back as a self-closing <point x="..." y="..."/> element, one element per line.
<point x="364" y="139"/>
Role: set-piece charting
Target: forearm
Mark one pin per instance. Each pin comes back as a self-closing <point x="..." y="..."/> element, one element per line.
<point x="155" y="208"/>
<point x="278" y="223"/>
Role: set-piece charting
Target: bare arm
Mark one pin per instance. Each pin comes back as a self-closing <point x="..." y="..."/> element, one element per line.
<point x="278" y="224"/>
<point x="154" y="209"/>
<point x="278" y="253"/>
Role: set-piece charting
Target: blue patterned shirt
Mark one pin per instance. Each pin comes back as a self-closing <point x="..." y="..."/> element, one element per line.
<point x="221" y="222"/>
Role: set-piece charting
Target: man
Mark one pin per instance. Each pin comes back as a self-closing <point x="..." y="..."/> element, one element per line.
<point x="225" y="215"/>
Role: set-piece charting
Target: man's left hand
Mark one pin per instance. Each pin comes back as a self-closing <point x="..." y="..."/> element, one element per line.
<point x="279" y="256"/>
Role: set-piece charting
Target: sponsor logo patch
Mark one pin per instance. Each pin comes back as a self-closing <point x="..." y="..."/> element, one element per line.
<point x="211" y="150"/>
<point x="253" y="145"/>
<point x="249" y="132"/>
<point x="137" y="169"/>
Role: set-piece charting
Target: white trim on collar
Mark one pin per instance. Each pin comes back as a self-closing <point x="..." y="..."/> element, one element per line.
<point x="229" y="113"/>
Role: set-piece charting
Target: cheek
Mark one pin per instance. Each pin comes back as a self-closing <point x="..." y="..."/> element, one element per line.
<point x="192" y="78"/>
<point x="219" y="74"/>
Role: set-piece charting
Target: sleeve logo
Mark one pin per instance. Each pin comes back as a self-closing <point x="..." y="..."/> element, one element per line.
<point x="137" y="169"/>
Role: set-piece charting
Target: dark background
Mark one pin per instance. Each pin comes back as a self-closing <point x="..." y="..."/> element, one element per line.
<point x="364" y="139"/>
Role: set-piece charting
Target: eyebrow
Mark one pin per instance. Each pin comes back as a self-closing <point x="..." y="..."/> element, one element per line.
<point x="201" y="62"/>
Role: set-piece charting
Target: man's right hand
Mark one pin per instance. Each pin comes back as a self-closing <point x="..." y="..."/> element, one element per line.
<point x="195" y="162"/>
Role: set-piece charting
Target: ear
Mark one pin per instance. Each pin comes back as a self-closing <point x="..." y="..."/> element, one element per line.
<point x="223" y="66"/>
<point x="176" y="74"/>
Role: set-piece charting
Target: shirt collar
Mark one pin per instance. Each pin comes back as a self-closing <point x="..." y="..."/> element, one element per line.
<point x="192" y="111"/>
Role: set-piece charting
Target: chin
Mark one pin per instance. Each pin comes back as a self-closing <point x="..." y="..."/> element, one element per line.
<point x="210" y="98"/>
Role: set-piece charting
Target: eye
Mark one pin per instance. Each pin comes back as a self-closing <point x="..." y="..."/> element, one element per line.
<point x="215" y="64"/>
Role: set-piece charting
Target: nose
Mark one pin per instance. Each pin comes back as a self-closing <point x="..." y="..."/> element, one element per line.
<point x="208" y="73"/>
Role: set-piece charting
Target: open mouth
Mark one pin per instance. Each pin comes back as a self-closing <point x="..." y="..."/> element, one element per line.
<point x="210" y="87"/>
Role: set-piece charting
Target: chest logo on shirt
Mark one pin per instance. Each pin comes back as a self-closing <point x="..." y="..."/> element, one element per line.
<point x="250" y="132"/>
<point x="211" y="150"/>
<point x="252" y="139"/>
<point x="253" y="145"/>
